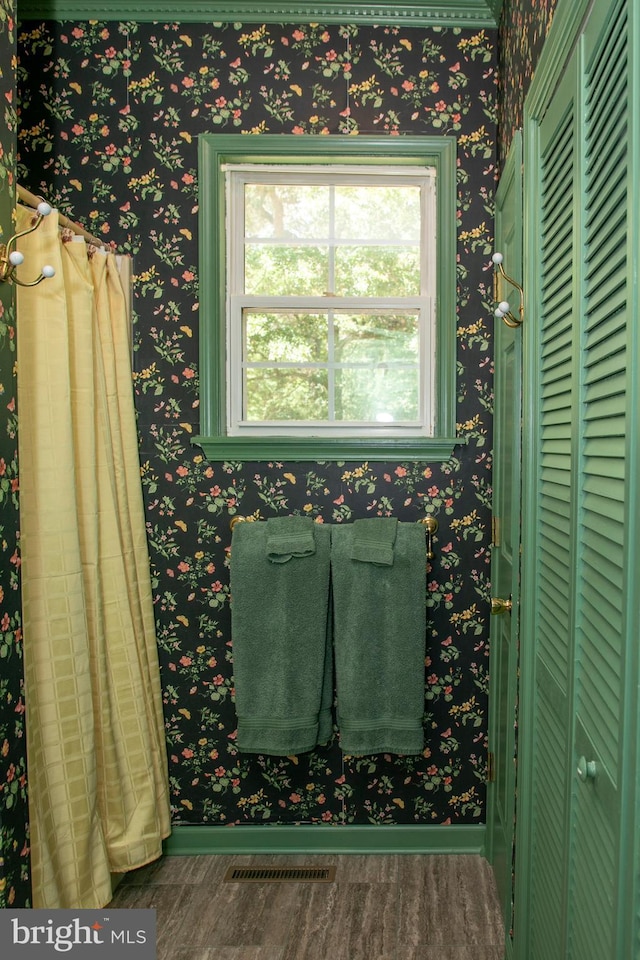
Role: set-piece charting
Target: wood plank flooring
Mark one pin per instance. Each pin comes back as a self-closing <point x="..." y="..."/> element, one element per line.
<point x="403" y="907"/>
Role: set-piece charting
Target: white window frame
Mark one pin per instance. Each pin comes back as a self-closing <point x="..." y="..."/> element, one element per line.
<point x="237" y="176"/>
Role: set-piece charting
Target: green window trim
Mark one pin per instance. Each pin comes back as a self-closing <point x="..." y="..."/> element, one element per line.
<point x="217" y="150"/>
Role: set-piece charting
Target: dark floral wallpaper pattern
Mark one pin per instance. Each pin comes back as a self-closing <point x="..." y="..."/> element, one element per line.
<point x="524" y="26"/>
<point x="14" y="847"/>
<point x="110" y="115"/>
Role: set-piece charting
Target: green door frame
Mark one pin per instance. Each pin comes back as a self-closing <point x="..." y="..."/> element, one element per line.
<point x="505" y="569"/>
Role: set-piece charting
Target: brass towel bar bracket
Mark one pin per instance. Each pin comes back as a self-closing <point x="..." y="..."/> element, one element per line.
<point x="238" y="519"/>
<point x="429" y="522"/>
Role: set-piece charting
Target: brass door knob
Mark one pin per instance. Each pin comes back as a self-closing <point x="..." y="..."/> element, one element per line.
<point x="500" y="606"/>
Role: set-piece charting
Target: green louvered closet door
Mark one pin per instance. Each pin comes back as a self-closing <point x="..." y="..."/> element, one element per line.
<point x="553" y="551"/>
<point x="579" y="720"/>
<point x="602" y="637"/>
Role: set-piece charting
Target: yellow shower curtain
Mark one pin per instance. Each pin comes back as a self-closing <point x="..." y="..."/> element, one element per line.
<point x="97" y="769"/>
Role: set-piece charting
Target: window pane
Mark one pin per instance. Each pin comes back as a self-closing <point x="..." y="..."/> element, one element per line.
<point x="373" y="338"/>
<point x="378" y="213"/>
<point x="382" y="395"/>
<point x="286" y="211"/>
<point x="377" y="271"/>
<point x="288" y="336"/>
<point x="331" y="291"/>
<point x="286" y="394"/>
<point x="286" y="271"/>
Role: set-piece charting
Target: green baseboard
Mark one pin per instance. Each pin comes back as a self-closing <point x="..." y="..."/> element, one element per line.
<point x="190" y="840"/>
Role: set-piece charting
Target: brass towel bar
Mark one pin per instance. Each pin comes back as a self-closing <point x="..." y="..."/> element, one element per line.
<point x="429" y="522"/>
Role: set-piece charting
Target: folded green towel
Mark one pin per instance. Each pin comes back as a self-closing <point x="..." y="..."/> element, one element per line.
<point x="289" y="537"/>
<point x="282" y="654"/>
<point x="379" y="647"/>
<point x="373" y="540"/>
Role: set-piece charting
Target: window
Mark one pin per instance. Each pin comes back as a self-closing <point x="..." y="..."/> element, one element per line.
<point x="327" y="297"/>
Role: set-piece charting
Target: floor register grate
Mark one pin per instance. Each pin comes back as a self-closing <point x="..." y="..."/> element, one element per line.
<point x="280" y="875"/>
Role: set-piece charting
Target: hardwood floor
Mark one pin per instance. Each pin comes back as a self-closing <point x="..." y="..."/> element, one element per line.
<point x="379" y="908"/>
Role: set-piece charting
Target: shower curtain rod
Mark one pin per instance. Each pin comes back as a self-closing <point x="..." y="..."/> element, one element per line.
<point x="30" y="200"/>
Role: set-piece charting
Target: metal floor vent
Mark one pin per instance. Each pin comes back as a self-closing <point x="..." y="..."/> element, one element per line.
<point x="280" y="875"/>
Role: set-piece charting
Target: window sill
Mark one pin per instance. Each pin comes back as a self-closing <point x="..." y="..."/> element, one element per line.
<point x="322" y="449"/>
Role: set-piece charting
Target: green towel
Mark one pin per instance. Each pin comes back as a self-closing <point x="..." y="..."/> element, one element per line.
<point x="379" y="648"/>
<point x="373" y="540"/>
<point x="282" y="654"/>
<point x="289" y="537"/>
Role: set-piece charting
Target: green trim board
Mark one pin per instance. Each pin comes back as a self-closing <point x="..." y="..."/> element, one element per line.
<point x="567" y="19"/>
<point x="217" y="150"/>
<point x="505" y="557"/>
<point x="419" y="13"/>
<point x="189" y="840"/>
<point x="629" y="874"/>
<point x="301" y="449"/>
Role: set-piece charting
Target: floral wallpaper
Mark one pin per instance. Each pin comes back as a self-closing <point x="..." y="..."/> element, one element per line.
<point x="110" y="114"/>
<point x="110" y="118"/>
<point x="524" y="26"/>
<point x="14" y="849"/>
